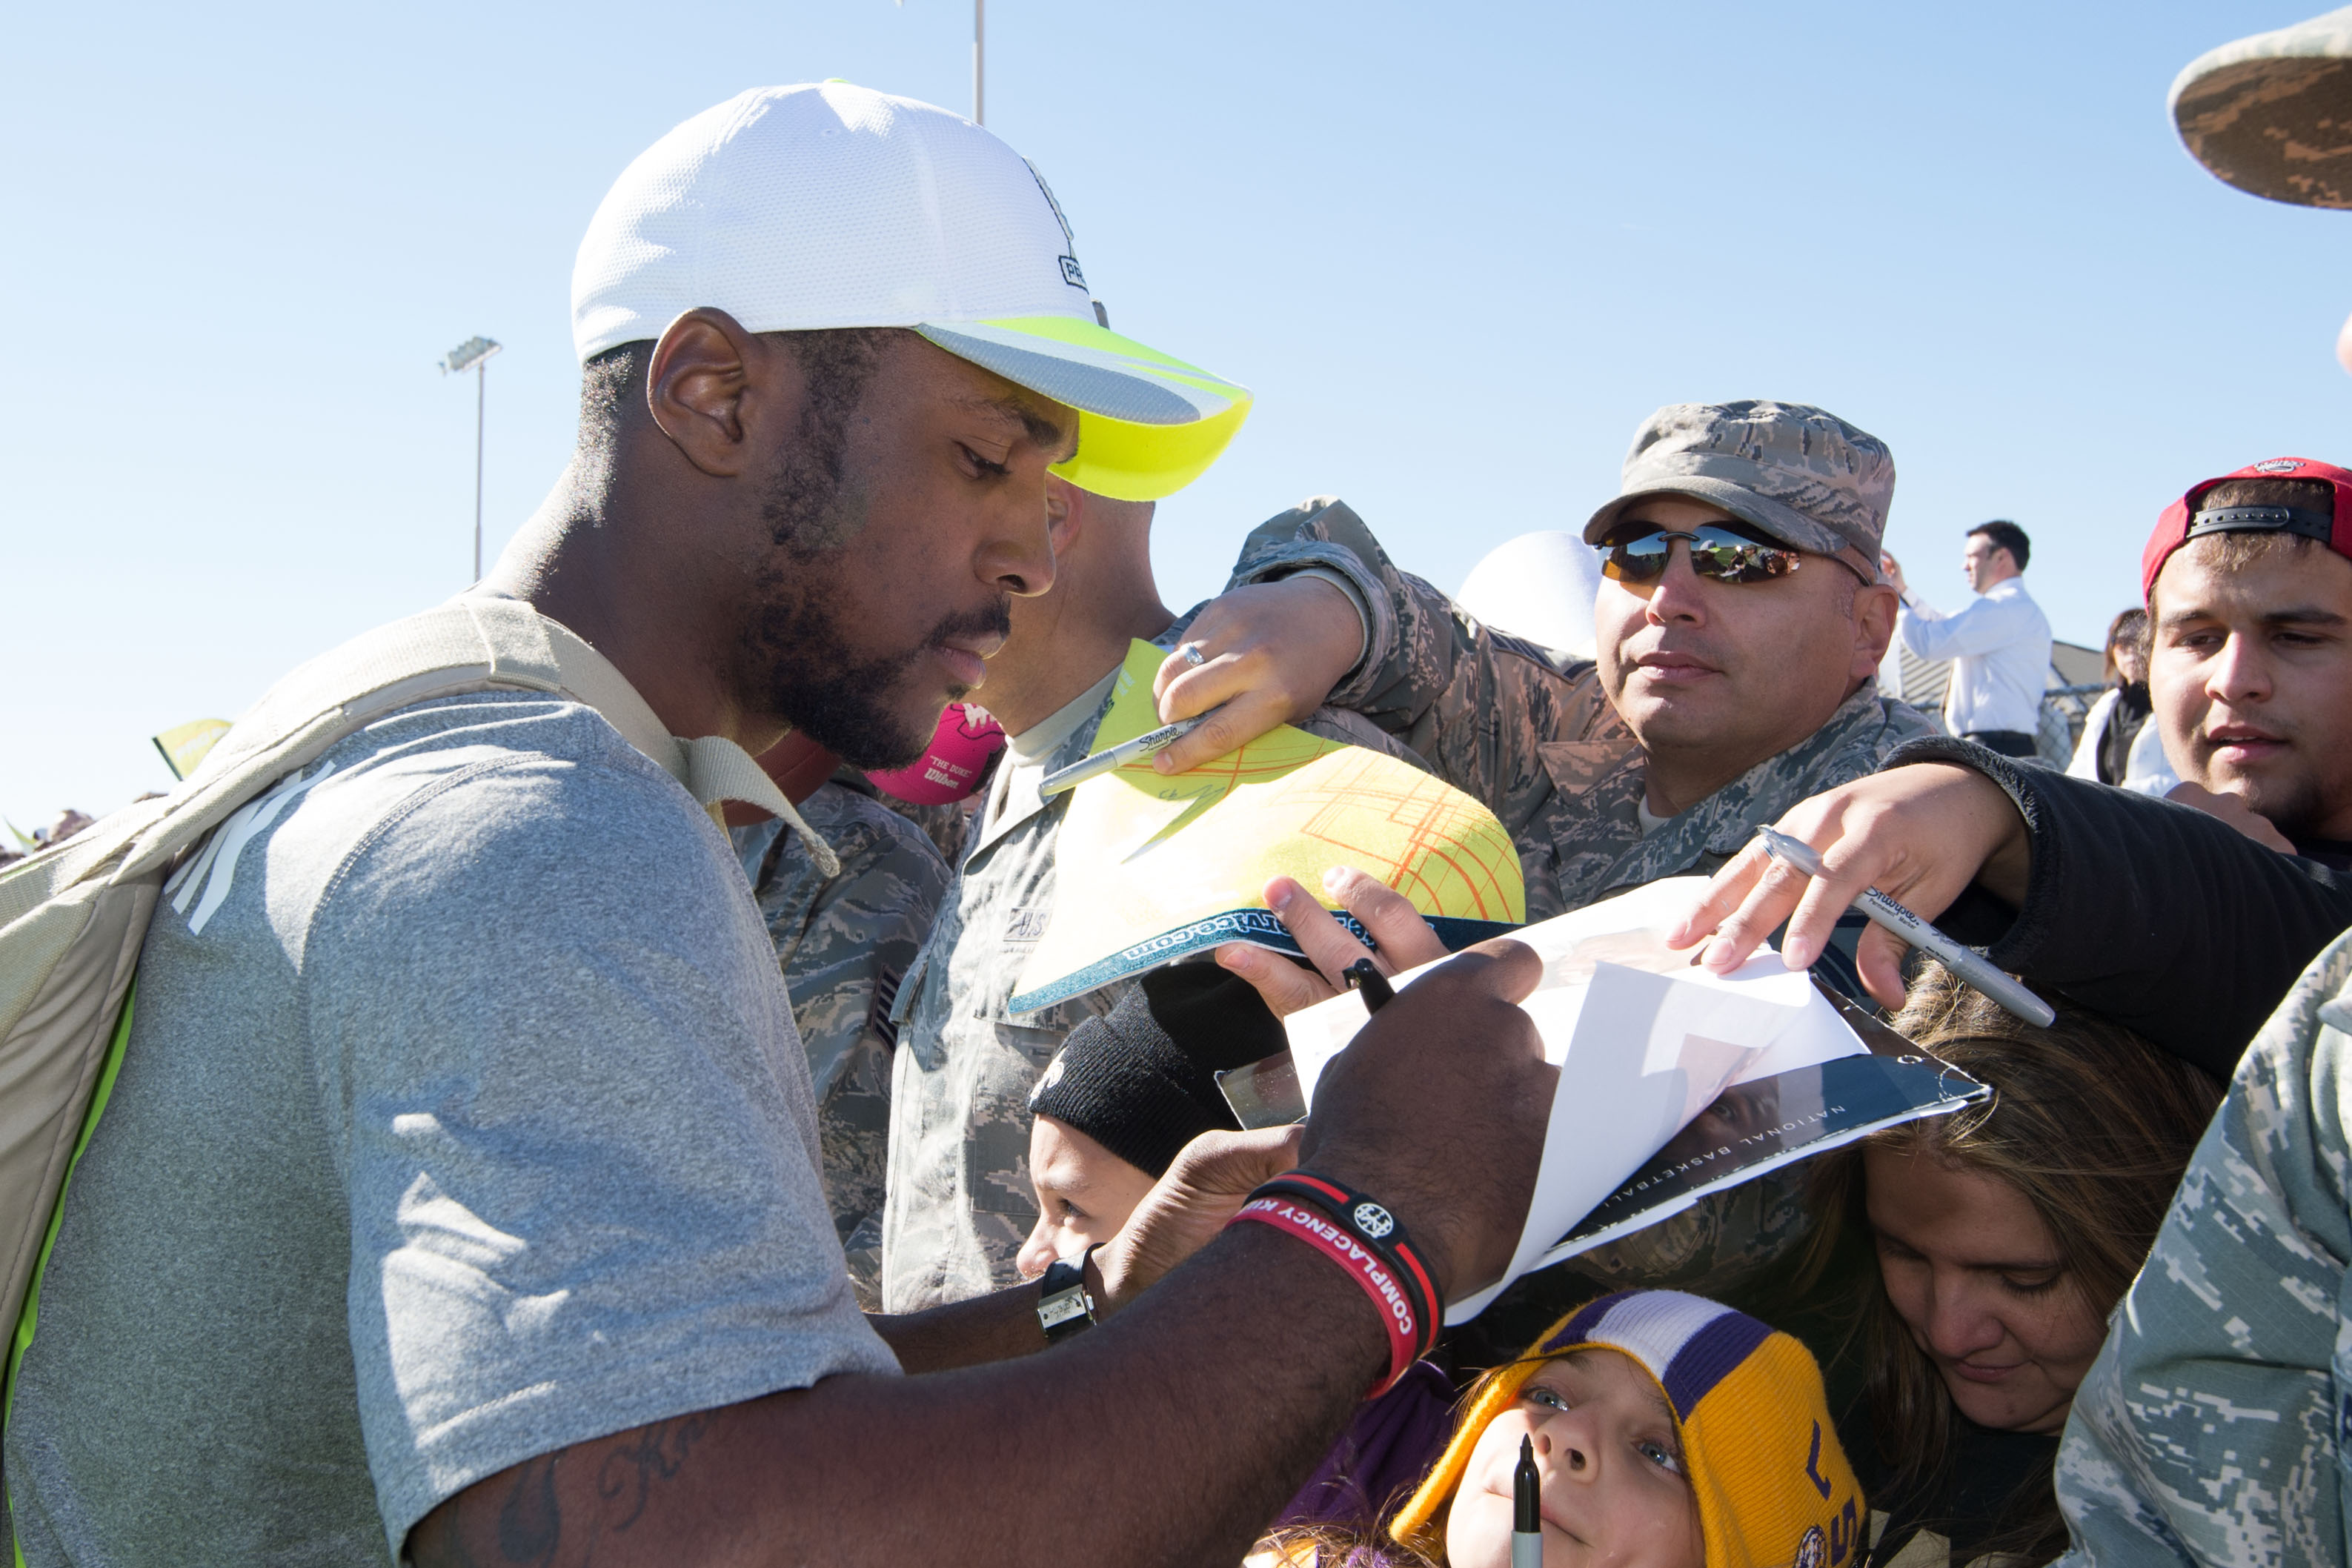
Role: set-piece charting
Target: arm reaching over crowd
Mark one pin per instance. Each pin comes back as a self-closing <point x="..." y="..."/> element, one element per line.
<point x="1922" y="836"/>
<point x="1738" y="626"/>
<point x="1407" y="660"/>
<point x="2168" y="920"/>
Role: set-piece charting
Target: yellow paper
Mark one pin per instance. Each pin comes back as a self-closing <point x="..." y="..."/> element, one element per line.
<point x="1151" y="866"/>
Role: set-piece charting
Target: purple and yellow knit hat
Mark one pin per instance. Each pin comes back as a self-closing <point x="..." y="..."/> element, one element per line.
<point x="1772" y="1484"/>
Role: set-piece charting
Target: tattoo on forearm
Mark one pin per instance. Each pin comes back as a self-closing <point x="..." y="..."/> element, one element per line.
<point x="531" y="1521"/>
<point x="652" y="1454"/>
<point x="528" y="1528"/>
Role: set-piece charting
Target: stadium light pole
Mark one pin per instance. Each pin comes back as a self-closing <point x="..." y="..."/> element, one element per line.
<point x="980" y="62"/>
<point x="474" y="354"/>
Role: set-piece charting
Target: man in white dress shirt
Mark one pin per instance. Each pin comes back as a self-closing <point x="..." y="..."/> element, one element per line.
<point x="1999" y="646"/>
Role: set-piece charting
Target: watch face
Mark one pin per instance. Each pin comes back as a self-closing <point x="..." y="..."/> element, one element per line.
<point x="1062" y="1307"/>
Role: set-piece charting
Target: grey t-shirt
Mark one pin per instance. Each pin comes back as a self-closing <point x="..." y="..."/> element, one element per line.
<point x="462" y="1118"/>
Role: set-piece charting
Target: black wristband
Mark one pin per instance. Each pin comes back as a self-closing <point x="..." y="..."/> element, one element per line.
<point x="1375" y="1228"/>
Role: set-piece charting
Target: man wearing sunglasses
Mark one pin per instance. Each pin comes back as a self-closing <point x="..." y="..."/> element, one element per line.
<point x="1739" y="625"/>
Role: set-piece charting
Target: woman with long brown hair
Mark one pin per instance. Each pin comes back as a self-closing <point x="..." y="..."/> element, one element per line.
<point x="2003" y="1236"/>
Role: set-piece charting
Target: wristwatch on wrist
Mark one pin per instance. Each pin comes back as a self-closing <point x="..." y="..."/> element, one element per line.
<point x="1063" y="1308"/>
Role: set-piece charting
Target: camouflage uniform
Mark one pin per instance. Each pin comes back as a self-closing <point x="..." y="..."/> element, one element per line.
<point x="2211" y="1429"/>
<point x="960" y="1201"/>
<point x="1531" y="734"/>
<point x="844" y="942"/>
<point x="947" y="826"/>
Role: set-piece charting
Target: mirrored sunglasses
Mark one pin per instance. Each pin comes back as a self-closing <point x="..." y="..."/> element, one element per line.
<point x="1640" y="554"/>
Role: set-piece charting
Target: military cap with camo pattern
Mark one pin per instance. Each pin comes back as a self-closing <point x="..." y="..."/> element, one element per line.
<point x="1800" y="474"/>
<point x="2272" y="114"/>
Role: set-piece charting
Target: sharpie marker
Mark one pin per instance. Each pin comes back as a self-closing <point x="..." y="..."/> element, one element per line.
<point x="1526" y="1509"/>
<point x="1110" y="759"/>
<point x="1972" y="967"/>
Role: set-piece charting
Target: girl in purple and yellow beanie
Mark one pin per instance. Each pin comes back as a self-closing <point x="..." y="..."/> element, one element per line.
<point x="1668" y="1432"/>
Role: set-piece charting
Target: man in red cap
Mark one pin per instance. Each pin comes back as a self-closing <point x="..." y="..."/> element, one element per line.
<point x="2250" y="608"/>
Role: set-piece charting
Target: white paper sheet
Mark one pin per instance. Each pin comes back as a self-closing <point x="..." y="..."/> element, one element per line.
<point x="1644" y="1041"/>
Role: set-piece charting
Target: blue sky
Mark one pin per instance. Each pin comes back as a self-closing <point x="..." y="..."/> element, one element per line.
<point x="1458" y="251"/>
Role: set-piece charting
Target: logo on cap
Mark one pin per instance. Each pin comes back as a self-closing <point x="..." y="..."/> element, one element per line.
<point x="1070" y="273"/>
<point x="2278" y="466"/>
<point x="1052" y="1077"/>
<point x="1812" y="1549"/>
<point x="1374" y="1220"/>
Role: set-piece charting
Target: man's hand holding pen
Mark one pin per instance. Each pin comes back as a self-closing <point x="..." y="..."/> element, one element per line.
<point x="1921" y="833"/>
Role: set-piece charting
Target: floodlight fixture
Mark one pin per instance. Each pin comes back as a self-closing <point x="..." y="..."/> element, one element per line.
<point x="474" y="354"/>
<point x="468" y="354"/>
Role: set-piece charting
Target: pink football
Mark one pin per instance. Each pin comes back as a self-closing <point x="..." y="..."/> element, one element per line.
<point x="953" y="765"/>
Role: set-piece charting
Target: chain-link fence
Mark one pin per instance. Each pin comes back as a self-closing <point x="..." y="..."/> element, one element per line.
<point x="2064" y="709"/>
<point x="2065" y="706"/>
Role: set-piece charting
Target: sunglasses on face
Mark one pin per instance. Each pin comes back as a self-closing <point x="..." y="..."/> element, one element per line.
<point x="1639" y="555"/>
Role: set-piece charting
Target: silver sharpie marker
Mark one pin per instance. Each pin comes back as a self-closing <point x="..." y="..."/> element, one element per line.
<point x="1972" y="967"/>
<point x="1111" y="758"/>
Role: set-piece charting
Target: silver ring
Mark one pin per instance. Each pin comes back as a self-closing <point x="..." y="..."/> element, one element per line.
<point x="1192" y="655"/>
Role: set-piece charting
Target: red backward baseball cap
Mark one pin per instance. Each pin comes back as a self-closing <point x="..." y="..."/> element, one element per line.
<point x="2182" y="521"/>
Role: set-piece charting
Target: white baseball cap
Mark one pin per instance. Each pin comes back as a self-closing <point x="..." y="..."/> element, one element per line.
<point x="827" y="205"/>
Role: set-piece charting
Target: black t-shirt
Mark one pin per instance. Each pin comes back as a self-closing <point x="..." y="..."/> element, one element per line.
<point x="2333" y="853"/>
<point x="2169" y="922"/>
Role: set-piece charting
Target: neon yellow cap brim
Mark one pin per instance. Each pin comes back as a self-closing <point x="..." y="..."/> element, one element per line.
<point x="1147" y="424"/>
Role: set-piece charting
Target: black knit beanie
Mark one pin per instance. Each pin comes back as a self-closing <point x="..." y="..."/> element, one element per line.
<point x="1141" y="1081"/>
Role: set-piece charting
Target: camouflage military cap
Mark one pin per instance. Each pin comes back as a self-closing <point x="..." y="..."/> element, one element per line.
<point x="2272" y="114"/>
<point x="1800" y="474"/>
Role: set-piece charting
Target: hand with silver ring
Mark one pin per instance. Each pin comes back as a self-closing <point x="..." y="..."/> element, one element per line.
<point x="1256" y="657"/>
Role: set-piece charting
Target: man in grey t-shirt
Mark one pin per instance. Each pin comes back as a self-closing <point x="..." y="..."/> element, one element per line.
<point x="462" y="1060"/>
<point x="456" y="1198"/>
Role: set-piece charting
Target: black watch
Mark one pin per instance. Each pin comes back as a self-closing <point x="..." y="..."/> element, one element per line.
<point x="1063" y="1308"/>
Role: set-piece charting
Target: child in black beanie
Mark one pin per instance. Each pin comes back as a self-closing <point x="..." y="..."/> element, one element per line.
<point x="1127" y="1091"/>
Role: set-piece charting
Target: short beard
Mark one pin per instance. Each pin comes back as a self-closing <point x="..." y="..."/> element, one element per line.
<point x="794" y="660"/>
<point x="799" y="665"/>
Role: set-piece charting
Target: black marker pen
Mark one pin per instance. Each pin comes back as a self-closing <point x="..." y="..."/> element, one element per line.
<point x="1365" y="976"/>
<point x="1526" y="1509"/>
